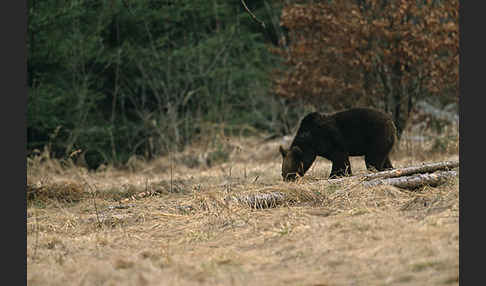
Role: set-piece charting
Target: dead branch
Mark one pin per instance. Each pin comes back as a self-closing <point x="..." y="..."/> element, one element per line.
<point x="414" y="181"/>
<point x="252" y="15"/>
<point x="424" y="168"/>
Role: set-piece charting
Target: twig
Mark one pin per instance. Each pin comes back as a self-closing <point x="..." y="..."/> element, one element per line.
<point x="93" y="192"/>
<point x="146" y="185"/>
<point x="252" y="15"/>
<point x="171" y="167"/>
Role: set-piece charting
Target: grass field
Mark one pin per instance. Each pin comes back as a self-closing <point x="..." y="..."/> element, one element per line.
<point x="83" y="228"/>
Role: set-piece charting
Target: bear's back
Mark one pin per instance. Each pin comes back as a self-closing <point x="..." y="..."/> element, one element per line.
<point x="363" y="128"/>
<point x="365" y="119"/>
<point x="359" y="127"/>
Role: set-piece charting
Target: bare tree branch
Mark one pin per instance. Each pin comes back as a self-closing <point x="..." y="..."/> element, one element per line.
<point x="252" y="15"/>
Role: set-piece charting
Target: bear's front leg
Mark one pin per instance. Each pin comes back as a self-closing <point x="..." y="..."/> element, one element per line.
<point x="340" y="167"/>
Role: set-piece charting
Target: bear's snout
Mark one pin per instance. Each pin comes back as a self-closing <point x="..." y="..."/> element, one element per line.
<point x="290" y="177"/>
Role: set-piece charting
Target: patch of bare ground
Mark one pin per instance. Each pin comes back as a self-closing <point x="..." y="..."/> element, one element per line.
<point x="190" y="228"/>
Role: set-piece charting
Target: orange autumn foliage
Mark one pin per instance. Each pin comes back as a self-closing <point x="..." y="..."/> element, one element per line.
<point x="369" y="52"/>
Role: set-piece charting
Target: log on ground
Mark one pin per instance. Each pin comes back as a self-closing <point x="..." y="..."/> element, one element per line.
<point x="399" y="172"/>
<point x="414" y="181"/>
<point x="425" y="168"/>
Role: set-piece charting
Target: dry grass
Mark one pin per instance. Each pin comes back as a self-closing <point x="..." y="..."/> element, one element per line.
<point x="193" y="230"/>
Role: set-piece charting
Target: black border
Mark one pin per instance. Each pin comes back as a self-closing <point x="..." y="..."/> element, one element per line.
<point x="471" y="143"/>
<point x="13" y="28"/>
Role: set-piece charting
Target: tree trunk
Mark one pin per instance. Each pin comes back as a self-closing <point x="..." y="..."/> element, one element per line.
<point x="399" y="118"/>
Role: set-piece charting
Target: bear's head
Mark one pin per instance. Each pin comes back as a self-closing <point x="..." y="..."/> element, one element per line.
<point x="292" y="164"/>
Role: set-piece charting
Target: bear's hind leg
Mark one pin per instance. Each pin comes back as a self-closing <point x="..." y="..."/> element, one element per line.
<point x="387" y="164"/>
<point x="375" y="163"/>
<point x="340" y="168"/>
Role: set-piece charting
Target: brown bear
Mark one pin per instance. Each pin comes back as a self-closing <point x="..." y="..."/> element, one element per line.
<point x="353" y="132"/>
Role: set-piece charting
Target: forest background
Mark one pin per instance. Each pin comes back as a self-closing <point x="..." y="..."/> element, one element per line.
<point x="121" y="78"/>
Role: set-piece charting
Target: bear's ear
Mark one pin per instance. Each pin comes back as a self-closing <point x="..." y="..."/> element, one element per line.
<point x="297" y="151"/>
<point x="282" y="151"/>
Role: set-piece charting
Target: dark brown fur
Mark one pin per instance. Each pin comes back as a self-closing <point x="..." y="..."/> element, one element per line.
<point x="353" y="132"/>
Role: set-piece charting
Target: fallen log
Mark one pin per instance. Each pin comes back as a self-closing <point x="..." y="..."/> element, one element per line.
<point x="425" y="168"/>
<point x="414" y="181"/>
<point x="399" y="172"/>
